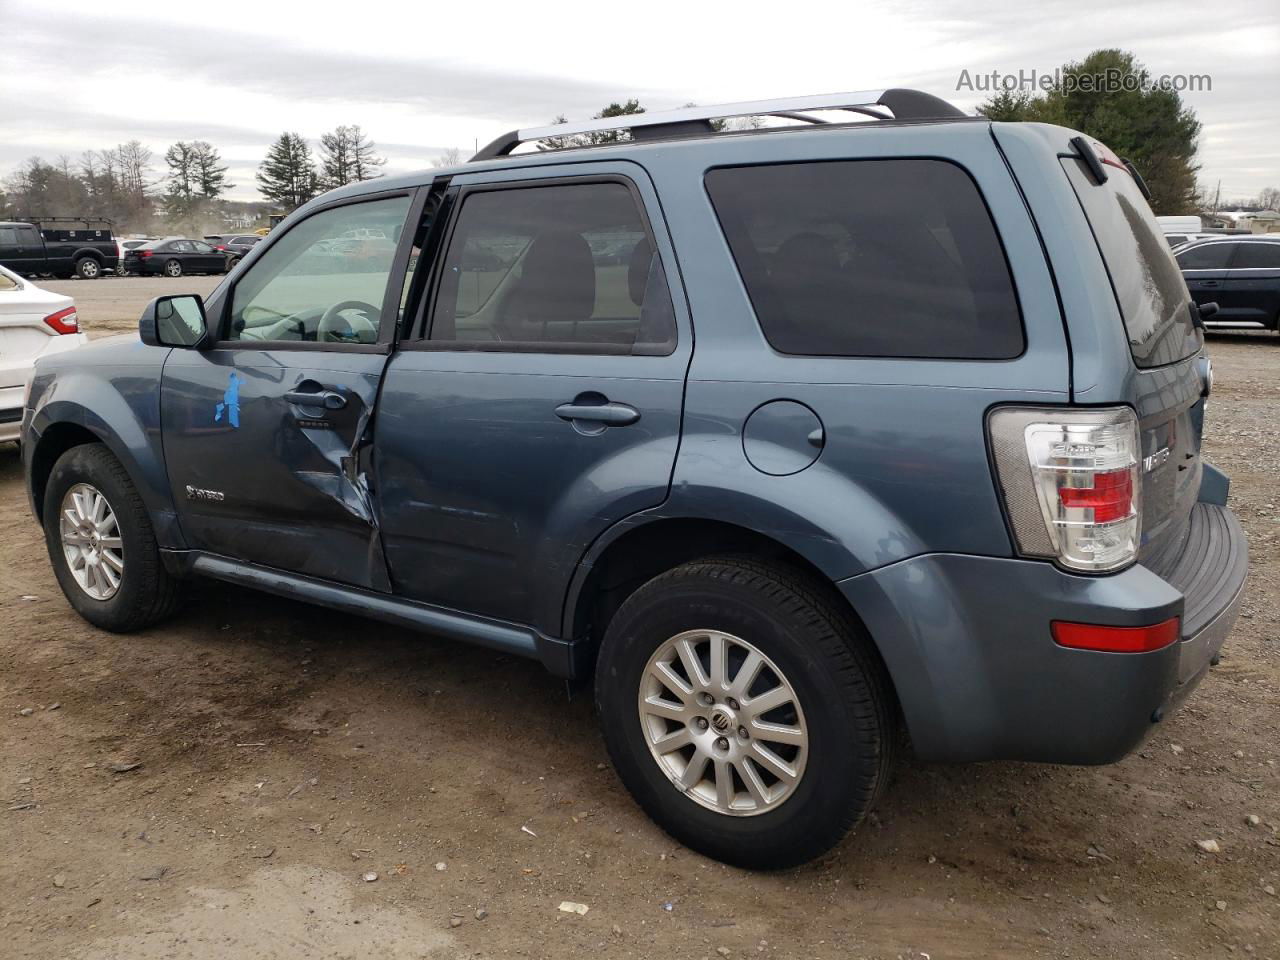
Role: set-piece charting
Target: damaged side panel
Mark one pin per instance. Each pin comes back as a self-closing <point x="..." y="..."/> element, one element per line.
<point x="267" y="455"/>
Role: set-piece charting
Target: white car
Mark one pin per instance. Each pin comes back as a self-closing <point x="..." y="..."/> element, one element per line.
<point x="33" y="323"/>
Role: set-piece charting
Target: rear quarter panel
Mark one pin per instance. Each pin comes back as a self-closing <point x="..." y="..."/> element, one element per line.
<point x="904" y="470"/>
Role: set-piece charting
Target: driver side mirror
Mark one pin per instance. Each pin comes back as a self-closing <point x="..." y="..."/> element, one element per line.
<point x="177" y="321"/>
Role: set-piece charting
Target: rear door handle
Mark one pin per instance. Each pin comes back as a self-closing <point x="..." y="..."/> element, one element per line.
<point x="1210" y="283"/>
<point x="609" y="414"/>
<point x="329" y="399"/>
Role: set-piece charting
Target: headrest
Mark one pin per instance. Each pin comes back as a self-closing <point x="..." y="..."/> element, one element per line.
<point x="557" y="279"/>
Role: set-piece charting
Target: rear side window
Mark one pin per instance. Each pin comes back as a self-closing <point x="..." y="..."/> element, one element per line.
<point x="565" y="268"/>
<point x="1258" y="256"/>
<point x="1145" y="278"/>
<point x="871" y="258"/>
<point x="1209" y="256"/>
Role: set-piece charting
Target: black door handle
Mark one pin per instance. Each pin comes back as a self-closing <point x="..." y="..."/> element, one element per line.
<point x="329" y="399"/>
<point x="1209" y="283"/>
<point x="609" y="414"/>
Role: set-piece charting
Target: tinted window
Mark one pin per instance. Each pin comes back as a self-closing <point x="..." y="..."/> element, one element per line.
<point x="8" y="237"/>
<point x="874" y="258"/>
<point x="554" y="268"/>
<point x="1206" y="256"/>
<point x="324" y="280"/>
<point x="1257" y="256"/>
<point x="200" y="247"/>
<point x="1147" y="283"/>
<point x="29" y="235"/>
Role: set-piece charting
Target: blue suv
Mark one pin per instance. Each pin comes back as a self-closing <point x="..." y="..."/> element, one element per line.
<point x="799" y="439"/>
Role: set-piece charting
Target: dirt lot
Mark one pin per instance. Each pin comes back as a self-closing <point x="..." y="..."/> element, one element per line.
<point x="285" y="751"/>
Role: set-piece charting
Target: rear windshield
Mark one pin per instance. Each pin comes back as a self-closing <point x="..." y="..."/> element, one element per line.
<point x="870" y="258"/>
<point x="1148" y="285"/>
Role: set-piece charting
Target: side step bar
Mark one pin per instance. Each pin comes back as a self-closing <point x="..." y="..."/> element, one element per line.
<point x="556" y="655"/>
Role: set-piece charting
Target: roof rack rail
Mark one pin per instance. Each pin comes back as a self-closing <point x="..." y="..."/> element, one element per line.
<point x="85" y="220"/>
<point x="893" y="104"/>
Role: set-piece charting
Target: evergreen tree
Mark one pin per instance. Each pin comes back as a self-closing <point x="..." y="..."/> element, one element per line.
<point x="287" y="175"/>
<point x="210" y="172"/>
<point x="347" y="156"/>
<point x="179" y="198"/>
<point x="614" y="109"/>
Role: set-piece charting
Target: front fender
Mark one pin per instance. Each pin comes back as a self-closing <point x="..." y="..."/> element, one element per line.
<point x="121" y="407"/>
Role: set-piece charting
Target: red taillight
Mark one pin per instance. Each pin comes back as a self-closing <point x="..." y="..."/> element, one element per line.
<point x="222" y="248"/>
<point x="144" y="253"/>
<point x="64" y="321"/>
<point x="1091" y="636"/>
<point x="1110" y="497"/>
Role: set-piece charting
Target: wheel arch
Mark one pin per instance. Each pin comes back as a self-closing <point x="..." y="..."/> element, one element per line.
<point x="62" y="425"/>
<point x="638" y="552"/>
<point x="56" y="440"/>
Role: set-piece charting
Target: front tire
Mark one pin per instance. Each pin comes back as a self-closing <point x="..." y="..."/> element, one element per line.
<point x="745" y="710"/>
<point x="172" y="268"/>
<point x="102" y="544"/>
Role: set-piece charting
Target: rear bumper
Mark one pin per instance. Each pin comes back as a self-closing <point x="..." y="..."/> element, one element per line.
<point x="967" y="642"/>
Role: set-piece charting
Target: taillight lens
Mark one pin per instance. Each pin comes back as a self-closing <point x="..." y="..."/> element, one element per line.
<point x="144" y="253"/>
<point x="1083" y="478"/>
<point x="64" y="321"/>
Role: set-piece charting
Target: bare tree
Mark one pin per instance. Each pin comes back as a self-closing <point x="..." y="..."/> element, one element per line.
<point x="449" y="158"/>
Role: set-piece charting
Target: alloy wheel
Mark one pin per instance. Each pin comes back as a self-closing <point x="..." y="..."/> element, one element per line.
<point x="723" y="723"/>
<point x="91" y="541"/>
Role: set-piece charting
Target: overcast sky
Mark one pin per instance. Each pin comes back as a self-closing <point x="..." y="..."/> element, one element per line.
<point x="420" y="78"/>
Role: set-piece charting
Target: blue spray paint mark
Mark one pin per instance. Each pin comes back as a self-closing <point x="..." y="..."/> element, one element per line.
<point x="230" y="404"/>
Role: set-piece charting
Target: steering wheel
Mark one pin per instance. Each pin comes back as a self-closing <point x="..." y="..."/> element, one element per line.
<point x="335" y="328"/>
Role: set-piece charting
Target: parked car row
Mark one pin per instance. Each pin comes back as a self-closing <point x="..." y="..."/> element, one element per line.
<point x="234" y="245"/>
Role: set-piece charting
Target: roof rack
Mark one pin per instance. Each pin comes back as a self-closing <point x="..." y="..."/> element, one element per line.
<point x="893" y="104"/>
<point x="37" y="221"/>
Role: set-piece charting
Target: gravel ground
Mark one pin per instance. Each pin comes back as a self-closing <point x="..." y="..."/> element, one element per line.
<point x="285" y="752"/>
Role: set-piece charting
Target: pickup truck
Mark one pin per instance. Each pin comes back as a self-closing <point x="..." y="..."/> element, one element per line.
<point x="32" y="250"/>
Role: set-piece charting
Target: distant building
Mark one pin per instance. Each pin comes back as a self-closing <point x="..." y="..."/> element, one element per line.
<point x="1254" y="220"/>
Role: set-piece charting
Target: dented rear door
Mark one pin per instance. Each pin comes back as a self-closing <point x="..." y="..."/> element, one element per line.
<point x="266" y="434"/>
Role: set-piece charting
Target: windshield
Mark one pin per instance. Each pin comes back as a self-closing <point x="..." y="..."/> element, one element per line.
<point x="1148" y="285"/>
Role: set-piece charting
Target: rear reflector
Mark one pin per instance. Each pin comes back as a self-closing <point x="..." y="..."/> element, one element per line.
<point x="1091" y="636"/>
<point x="64" y="321"/>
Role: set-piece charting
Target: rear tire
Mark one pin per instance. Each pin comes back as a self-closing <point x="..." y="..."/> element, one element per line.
<point x="832" y="731"/>
<point x="172" y="268"/>
<point x="87" y="268"/>
<point x="136" y="591"/>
